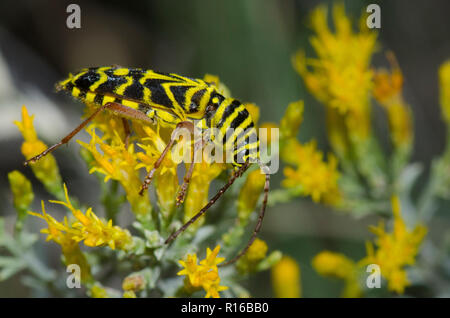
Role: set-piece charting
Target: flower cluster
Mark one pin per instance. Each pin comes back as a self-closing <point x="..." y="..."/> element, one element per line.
<point x="204" y="275"/>
<point x="342" y="79"/>
<point x="86" y="227"/>
<point x="310" y="175"/>
<point x="118" y="152"/>
<point x="316" y="177"/>
<point x="340" y="76"/>
<point x="355" y="176"/>
<point x="395" y="251"/>
<point x="46" y="170"/>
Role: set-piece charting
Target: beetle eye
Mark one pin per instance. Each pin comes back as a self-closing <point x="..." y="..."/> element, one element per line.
<point x="193" y="107"/>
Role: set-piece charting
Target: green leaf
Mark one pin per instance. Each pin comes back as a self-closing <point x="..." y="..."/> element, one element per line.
<point x="153" y="239"/>
<point x="13" y="265"/>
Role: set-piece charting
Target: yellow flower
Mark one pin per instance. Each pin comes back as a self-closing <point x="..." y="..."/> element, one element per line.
<point x="337" y="133"/>
<point x="255" y="254"/>
<point x="395" y="250"/>
<point x="286" y="278"/>
<point x="254" y="111"/>
<point x="211" y="260"/>
<point x="205" y="275"/>
<point x="117" y="162"/>
<point x="134" y="282"/>
<point x="86" y="227"/>
<point x="60" y="233"/>
<point x="340" y="76"/>
<point x="197" y="195"/>
<point x="73" y="255"/>
<point x="444" y="85"/>
<point x="328" y="263"/>
<point x="23" y="195"/>
<point x="314" y="176"/>
<point x="21" y="189"/>
<point x="337" y="265"/>
<point x="46" y="169"/>
<point x="129" y="294"/>
<point x="400" y="122"/>
<point x="97" y="291"/>
<point x="166" y="177"/>
<point x="293" y="117"/>
<point x="388" y="85"/>
<point x="257" y="251"/>
<point x="249" y="194"/>
<point x="388" y="91"/>
<point x="111" y="126"/>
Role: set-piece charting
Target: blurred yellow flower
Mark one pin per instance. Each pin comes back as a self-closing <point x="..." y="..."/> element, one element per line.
<point x="134" y="282"/>
<point x="337" y="133"/>
<point x="21" y="188"/>
<point x="255" y="253"/>
<point x="387" y="84"/>
<point x="98" y="291"/>
<point x="314" y="176"/>
<point x="129" y="294"/>
<point x="286" y="280"/>
<point x="444" y="87"/>
<point x="46" y="169"/>
<point x="388" y="92"/>
<point x="337" y="265"/>
<point x="395" y="250"/>
<point x="249" y="194"/>
<point x="254" y="111"/>
<point x="205" y="275"/>
<point x="290" y="123"/>
<point x="340" y="76"/>
<point x="328" y="263"/>
<point x="23" y="195"/>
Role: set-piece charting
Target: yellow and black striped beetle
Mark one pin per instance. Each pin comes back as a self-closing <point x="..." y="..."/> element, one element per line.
<point x="174" y="101"/>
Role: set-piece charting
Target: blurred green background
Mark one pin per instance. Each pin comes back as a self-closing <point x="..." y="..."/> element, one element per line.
<point x="249" y="45"/>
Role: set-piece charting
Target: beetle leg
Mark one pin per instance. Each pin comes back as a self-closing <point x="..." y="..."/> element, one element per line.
<point x="150" y="175"/>
<point x="119" y="109"/>
<point x="127" y="131"/>
<point x="207" y="206"/>
<point x="187" y="178"/>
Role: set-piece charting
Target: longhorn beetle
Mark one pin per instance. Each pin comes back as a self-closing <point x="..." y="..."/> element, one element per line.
<point x="176" y="102"/>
